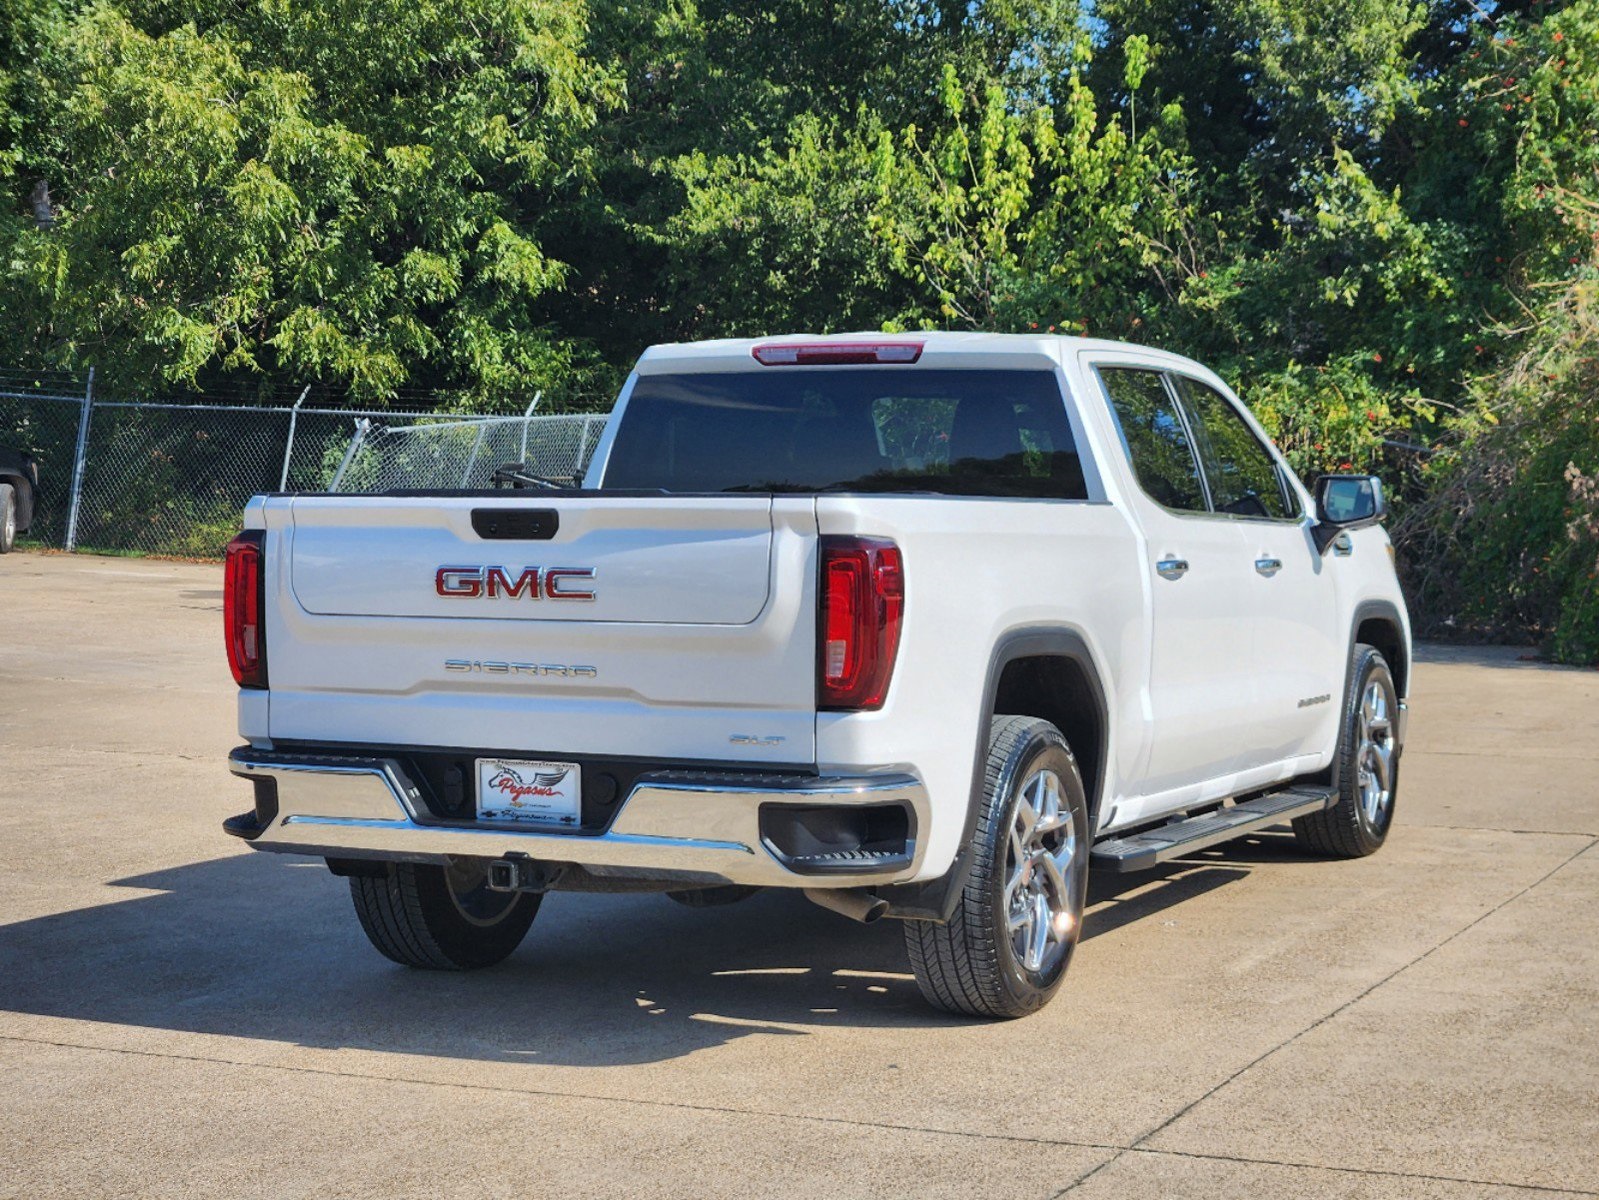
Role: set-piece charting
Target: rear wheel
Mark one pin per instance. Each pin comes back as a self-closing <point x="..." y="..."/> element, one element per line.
<point x="441" y="918"/>
<point x="1007" y="947"/>
<point x="8" y="517"/>
<point x="1368" y="766"/>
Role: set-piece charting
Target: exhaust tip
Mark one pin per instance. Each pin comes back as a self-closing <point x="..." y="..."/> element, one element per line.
<point x="857" y="905"/>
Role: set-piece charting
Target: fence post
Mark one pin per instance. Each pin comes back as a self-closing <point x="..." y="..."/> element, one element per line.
<point x="288" y="449"/>
<point x="526" y="417"/>
<point x="78" y="456"/>
<point x="476" y="446"/>
<point x="361" y="426"/>
<point x="582" y="445"/>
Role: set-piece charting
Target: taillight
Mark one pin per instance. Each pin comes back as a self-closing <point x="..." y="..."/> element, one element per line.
<point x="243" y="609"/>
<point x="862" y="603"/>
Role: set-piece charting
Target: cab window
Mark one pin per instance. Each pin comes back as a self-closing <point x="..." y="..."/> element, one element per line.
<point x="1244" y="478"/>
<point x="1154" y="437"/>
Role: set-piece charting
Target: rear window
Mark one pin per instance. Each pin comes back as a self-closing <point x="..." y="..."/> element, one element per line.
<point x="877" y="429"/>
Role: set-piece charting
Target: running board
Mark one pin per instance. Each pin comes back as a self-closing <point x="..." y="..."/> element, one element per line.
<point x="1140" y="851"/>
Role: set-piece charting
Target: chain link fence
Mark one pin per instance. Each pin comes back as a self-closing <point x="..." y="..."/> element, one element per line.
<point x="172" y="479"/>
<point x="42" y="416"/>
<point x="465" y="454"/>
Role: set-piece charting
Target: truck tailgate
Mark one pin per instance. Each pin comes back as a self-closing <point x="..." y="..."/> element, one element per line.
<point x="697" y="561"/>
<point x="651" y="626"/>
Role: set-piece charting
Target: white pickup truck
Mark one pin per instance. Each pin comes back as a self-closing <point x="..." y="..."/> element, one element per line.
<point x="927" y="626"/>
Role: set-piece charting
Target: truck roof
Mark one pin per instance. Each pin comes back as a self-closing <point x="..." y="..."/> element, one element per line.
<point x="937" y="346"/>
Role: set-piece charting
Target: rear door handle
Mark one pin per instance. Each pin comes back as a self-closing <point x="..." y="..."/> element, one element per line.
<point x="1172" y="568"/>
<point x="1268" y="566"/>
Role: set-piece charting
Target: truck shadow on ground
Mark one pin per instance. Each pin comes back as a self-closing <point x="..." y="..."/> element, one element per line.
<point x="261" y="947"/>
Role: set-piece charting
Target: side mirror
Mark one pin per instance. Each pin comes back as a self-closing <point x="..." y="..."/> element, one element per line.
<point x="1346" y="502"/>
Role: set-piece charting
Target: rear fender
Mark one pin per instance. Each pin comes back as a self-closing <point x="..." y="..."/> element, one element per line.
<point x="936" y="899"/>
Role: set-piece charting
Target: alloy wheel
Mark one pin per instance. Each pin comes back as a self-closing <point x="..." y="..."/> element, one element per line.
<point x="1042" y="871"/>
<point x="1374" y="754"/>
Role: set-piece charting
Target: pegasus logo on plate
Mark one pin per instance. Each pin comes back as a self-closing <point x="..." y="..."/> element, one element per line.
<point x="516" y="787"/>
<point x="535" y="583"/>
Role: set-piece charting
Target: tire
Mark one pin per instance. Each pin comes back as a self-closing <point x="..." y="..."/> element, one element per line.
<point x="713" y="897"/>
<point x="978" y="964"/>
<point x="1367" y="766"/>
<point x="8" y="517"/>
<point x="441" y="918"/>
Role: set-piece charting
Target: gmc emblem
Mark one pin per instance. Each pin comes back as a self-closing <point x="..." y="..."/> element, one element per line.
<point x="536" y="583"/>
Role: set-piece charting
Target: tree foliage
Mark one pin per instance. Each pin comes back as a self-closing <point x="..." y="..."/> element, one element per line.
<point x="1375" y="218"/>
<point x="334" y="191"/>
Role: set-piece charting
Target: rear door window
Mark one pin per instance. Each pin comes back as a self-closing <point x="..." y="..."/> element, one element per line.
<point x="1244" y="477"/>
<point x="869" y="429"/>
<point x="1154" y="436"/>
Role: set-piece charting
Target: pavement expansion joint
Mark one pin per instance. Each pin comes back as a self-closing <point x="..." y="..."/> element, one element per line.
<point x="1540" y="1188"/>
<point x="551" y="1093"/>
<point x="1138" y="1144"/>
<point x="1531" y="755"/>
<point x="1576" y="833"/>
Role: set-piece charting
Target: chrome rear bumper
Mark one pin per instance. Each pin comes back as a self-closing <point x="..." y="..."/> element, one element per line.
<point x="674" y="823"/>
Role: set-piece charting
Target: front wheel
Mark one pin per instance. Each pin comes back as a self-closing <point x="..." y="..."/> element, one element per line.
<point x="1005" y="950"/>
<point x="441" y="918"/>
<point x="1368" y="766"/>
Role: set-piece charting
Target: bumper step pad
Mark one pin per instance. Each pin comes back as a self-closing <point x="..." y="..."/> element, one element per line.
<point x="1141" y="851"/>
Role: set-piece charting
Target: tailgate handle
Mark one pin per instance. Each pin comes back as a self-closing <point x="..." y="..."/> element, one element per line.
<point x="516" y="524"/>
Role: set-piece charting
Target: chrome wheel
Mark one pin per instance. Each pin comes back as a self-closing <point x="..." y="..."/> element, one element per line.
<point x="1042" y="875"/>
<point x="1374" y="755"/>
<point x="11" y="525"/>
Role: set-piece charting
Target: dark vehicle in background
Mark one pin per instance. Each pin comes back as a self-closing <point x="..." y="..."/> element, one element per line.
<point x="19" y="494"/>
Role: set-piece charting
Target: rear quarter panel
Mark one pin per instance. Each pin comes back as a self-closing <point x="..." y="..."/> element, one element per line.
<point x="976" y="570"/>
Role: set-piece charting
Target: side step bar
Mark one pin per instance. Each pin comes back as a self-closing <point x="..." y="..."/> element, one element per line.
<point x="1140" y="851"/>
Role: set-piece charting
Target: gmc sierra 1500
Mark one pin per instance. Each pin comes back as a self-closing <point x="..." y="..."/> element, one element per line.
<point x="927" y="626"/>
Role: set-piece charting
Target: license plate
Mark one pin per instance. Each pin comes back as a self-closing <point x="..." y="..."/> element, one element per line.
<point x="537" y="793"/>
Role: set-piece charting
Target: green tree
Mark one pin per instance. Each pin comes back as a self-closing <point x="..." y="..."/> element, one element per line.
<point x="348" y="192"/>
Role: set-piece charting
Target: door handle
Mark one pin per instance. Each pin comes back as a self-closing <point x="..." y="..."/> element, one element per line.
<point x="1268" y="566"/>
<point x="1172" y="568"/>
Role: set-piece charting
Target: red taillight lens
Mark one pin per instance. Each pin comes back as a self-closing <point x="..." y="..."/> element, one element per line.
<point x="243" y="602"/>
<point x="862" y="604"/>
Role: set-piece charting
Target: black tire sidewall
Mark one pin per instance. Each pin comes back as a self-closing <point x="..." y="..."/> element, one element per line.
<point x="468" y="943"/>
<point x="1370" y="665"/>
<point x="1044" y="748"/>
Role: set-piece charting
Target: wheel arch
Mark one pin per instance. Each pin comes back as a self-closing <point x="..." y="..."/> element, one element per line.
<point x="1378" y="623"/>
<point x="1038" y="671"/>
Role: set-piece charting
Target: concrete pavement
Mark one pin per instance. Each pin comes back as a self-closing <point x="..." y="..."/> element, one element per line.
<point x="179" y="1016"/>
